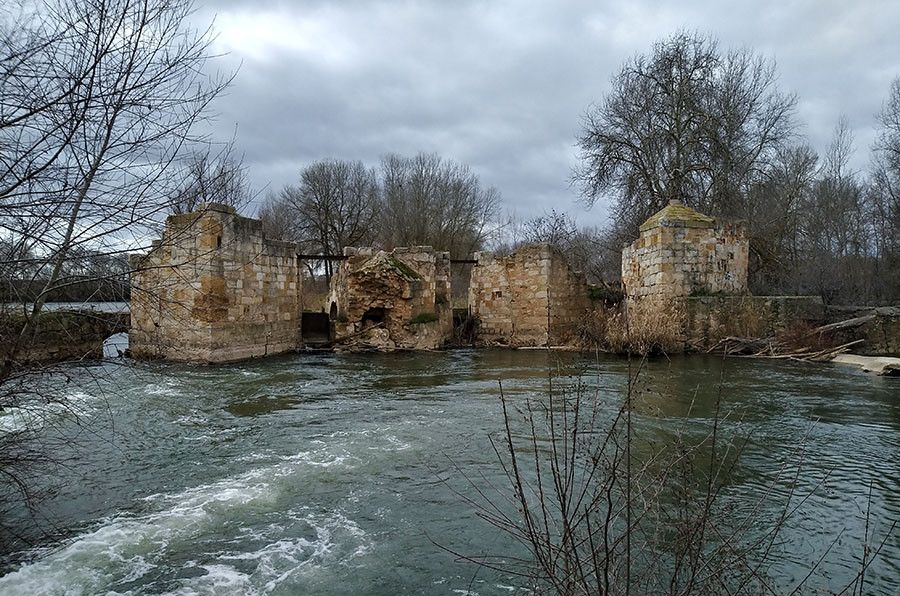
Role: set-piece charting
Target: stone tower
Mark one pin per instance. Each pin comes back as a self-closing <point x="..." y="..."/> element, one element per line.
<point x="681" y="252"/>
<point x="528" y="298"/>
<point x="214" y="288"/>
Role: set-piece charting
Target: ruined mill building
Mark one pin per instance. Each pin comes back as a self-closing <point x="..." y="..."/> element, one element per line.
<point x="214" y="288"/>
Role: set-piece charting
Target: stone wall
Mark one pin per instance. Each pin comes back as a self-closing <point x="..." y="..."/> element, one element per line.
<point x="60" y="335"/>
<point x="681" y="252"/>
<point x="529" y="298"/>
<point x="392" y="300"/>
<point x="214" y="289"/>
<point x="709" y="319"/>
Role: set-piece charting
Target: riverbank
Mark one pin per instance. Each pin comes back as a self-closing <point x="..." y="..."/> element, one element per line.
<point x="62" y="335"/>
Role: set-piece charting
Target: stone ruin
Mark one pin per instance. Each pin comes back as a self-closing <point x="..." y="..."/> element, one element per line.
<point x="400" y="299"/>
<point x="699" y="265"/>
<point x="681" y="252"/>
<point x="528" y="298"/>
<point x="214" y="289"/>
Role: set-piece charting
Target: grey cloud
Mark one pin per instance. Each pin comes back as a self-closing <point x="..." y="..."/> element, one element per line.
<point x="501" y="86"/>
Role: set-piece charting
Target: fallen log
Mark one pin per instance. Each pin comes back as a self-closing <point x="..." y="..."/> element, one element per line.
<point x="772" y="349"/>
<point x="828" y="354"/>
<point x="742" y="345"/>
<point x="842" y="325"/>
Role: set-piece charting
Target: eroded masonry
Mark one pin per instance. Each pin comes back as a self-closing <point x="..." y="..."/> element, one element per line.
<point x="214" y="288"/>
<point x="528" y="298"/>
<point x="392" y="300"/>
<point x="681" y="252"/>
<point x="698" y="265"/>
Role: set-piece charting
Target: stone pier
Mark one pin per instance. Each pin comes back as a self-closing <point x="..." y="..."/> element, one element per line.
<point x="681" y="252"/>
<point x="529" y="298"/>
<point x="214" y="288"/>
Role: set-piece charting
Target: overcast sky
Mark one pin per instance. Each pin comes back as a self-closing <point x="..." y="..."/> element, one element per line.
<point x="502" y="85"/>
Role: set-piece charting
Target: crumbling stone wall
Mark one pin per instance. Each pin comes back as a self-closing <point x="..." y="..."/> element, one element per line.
<point x="392" y="300"/>
<point x="681" y="252"/>
<point x="62" y="334"/>
<point x="528" y="298"/>
<point x="214" y="289"/>
<point x="709" y="319"/>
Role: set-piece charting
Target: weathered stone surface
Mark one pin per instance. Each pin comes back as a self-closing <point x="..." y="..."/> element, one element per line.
<point x="708" y="319"/>
<point x="880" y="328"/>
<point x="214" y="289"/>
<point x="392" y="300"/>
<point x="681" y="252"/>
<point x="529" y="298"/>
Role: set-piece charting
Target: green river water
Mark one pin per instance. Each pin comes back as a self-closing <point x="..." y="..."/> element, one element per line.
<point x="332" y="473"/>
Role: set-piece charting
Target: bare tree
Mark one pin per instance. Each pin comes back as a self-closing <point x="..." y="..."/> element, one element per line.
<point x="121" y="86"/>
<point x="553" y="227"/>
<point x="278" y="218"/>
<point x="884" y="197"/>
<point x="586" y="248"/>
<point x="334" y="206"/>
<point x="889" y="139"/>
<point x="210" y="177"/>
<point x="835" y="228"/>
<point x="98" y="100"/>
<point x="687" y="122"/>
<point x="428" y="200"/>
<point x="776" y="212"/>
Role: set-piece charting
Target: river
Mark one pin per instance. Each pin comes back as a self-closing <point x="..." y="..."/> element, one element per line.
<point x="345" y="474"/>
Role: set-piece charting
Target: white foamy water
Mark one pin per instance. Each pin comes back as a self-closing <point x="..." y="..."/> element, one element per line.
<point x="36" y="415"/>
<point x="124" y="549"/>
<point x="349" y="474"/>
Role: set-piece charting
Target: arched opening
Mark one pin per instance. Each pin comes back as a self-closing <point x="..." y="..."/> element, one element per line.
<point x="373" y="316"/>
<point x="332" y="313"/>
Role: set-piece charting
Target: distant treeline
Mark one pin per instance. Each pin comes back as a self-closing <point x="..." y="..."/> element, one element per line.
<point x="75" y="290"/>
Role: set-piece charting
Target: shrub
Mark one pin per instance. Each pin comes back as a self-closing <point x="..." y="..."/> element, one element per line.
<point x="647" y="326"/>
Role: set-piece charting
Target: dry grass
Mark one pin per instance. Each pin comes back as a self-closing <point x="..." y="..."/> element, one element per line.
<point x="733" y="318"/>
<point x="801" y="334"/>
<point x="643" y="327"/>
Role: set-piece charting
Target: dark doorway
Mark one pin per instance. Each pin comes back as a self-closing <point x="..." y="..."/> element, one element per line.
<point x="332" y="313"/>
<point x="373" y="316"/>
<point x="315" y="328"/>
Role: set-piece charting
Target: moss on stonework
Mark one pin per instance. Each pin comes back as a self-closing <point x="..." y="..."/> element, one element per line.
<point x="423" y="317"/>
<point x="403" y="267"/>
<point x="677" y="215"/>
